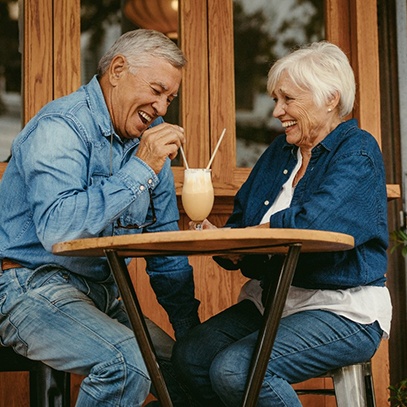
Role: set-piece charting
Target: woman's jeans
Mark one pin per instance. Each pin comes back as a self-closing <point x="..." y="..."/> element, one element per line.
<point x="78" y="326"/>
<point x="213" y="358"/>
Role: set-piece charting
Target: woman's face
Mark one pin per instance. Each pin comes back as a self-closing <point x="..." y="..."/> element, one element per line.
<point x="305" y="123"/>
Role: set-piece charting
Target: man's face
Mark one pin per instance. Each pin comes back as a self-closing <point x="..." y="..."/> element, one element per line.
<point x="141" y="95"/>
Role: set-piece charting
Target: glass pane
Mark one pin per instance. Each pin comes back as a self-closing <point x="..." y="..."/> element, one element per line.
<point x="10" y="77"/>
<point x="102" y="22"/>
<point x="265" y="30"/>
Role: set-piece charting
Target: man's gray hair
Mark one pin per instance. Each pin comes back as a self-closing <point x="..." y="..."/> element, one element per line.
<point x="139" y="47"/>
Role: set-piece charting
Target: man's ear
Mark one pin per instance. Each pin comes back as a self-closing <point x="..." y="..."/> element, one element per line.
<point x="117" y="68"/>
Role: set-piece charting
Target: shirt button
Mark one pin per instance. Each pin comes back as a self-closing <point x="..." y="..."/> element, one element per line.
<point x="285" y="172"/>
<point x="150" y="181"/>
<point x="266" y="202"/>
<point x="142" y="187"/>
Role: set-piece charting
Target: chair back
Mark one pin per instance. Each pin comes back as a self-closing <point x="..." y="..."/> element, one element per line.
<point x="2" y="169"/>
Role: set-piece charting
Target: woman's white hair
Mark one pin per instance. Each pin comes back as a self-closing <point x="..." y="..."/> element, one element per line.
<point x="140" y="47"/>
<point x="323" y="69"/>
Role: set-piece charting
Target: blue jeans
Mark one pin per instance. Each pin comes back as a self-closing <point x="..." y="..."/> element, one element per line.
<point x="79" y="326"/>
<point x="213" y="359"/>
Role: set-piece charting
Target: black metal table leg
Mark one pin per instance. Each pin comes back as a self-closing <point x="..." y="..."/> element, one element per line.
<point x="130" y="300"/>
<point x="276" y="298"/>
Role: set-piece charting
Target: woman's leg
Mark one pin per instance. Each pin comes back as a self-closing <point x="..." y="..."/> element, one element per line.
<point x="307" y="345"/>
<point x="193" y="354"/>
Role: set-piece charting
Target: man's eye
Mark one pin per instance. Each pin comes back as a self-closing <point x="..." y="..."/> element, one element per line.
<point x="156" y="91"/>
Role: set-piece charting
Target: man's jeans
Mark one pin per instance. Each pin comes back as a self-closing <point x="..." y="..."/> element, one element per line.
<point x="76" y="325"/>
<point x="213" y="359"/>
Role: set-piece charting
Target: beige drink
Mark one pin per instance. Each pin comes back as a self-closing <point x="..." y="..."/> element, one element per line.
<point x="197" y="193"/>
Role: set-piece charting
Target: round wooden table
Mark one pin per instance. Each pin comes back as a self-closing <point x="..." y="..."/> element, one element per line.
<point x="255" y="240"/>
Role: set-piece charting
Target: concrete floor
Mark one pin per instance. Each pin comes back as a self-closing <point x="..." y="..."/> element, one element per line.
<point x="10" y="122"/>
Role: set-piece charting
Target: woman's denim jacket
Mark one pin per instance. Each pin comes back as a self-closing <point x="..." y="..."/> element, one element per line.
<point x="71" y="177"/>
<point x="343" y="190"/>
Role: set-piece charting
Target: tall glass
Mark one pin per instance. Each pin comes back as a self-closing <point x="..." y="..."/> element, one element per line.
<point x="197" y="194"/>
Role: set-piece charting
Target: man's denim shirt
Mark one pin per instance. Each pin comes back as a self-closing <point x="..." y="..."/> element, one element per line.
<point x="70" y="177"/>
<point x="343" y="190"/>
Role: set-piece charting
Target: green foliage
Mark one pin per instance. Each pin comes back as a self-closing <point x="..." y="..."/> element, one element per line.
<point x="399" y="238"/>
<point x="398" y="394"/>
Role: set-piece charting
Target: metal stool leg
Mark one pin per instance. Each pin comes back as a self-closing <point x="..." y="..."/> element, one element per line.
<point x="49" y="387"/>
<point x="367" y="373"/>
<point x="354" y="386"/>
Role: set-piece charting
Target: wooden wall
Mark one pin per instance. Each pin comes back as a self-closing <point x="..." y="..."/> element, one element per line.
<point x="51" y="69"/>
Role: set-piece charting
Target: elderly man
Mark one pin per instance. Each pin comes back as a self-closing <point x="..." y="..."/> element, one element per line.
<point x="94" y="163"/>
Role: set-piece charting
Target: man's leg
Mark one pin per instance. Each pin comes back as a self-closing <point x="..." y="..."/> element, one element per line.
<point x="45" y="317"/>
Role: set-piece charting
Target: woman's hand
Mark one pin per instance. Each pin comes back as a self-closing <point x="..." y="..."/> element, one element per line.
<point x="205" y="225"/>
<point x="234" y="258"/>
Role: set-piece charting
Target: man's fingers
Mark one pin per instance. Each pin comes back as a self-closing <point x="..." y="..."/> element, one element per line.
<point x="158" y="143"/>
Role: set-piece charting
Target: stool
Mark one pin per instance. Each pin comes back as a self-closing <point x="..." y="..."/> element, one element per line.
<point x="48" y="387"/>
<point x="353" y="386"/>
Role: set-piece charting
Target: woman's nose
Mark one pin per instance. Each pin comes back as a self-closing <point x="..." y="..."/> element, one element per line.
<point x="279" y="109"/>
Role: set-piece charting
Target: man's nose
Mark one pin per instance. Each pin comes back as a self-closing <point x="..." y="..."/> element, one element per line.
<point x="161" y="106"/>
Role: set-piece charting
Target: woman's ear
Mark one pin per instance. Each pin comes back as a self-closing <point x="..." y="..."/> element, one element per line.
<point x="334" y="101"/>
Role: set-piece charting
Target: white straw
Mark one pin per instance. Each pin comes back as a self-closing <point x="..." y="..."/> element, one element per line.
<point x="216" y="149"/>
<point x="184" y="158"/>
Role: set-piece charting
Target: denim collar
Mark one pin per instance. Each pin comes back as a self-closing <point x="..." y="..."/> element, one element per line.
<point x="97" y="105"/>
<point x="330" y="141"/>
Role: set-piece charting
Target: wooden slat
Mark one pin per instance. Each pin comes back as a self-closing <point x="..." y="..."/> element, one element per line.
<point x="393" y="191"/>
<point x="37" y="56"/>
<point x="222" y="95"/>
<point x="358" y="38"/>
<point x="365" y="62"/>
<point x="2" y="169"/>
<point x="66" y="53"/>
<point x="194" y="88"/>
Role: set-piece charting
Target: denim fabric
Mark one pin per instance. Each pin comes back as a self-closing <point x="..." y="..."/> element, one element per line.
<point x="75" y="325"/>
<point x="71" y="177"/>
<point x="343" y="190"/>
<point x="213" y="359"/>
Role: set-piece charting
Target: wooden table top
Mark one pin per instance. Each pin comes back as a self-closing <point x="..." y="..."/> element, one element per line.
<point x="208" y="242"/>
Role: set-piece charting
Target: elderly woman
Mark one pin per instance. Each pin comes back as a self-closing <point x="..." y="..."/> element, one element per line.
<point x="324" y="173"/>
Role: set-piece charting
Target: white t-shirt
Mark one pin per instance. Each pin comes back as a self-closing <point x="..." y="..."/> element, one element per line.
<point x="364" y="304"/>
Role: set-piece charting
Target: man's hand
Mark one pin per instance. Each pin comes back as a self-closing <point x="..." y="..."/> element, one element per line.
<point x="158" y="143"/>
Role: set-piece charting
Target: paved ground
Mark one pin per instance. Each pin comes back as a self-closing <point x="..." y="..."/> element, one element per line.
<point x="10" y="123"/>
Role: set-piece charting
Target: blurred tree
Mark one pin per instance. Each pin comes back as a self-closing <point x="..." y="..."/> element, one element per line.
<point x="10" y="58"/>
<point x="261" y="37"/>
<point x="253" y="50"/>
<point x="96" y="15"/>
